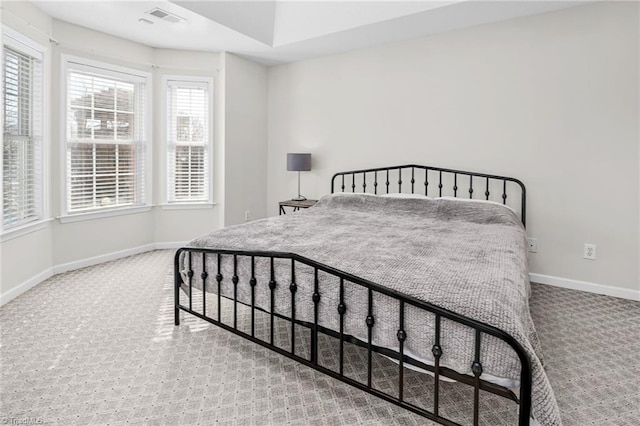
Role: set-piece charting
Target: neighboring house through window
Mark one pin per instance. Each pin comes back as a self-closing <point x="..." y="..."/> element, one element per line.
<point x="188" y="140"/>
<point x="22" y="87"/>
<point x="107" y="147"/>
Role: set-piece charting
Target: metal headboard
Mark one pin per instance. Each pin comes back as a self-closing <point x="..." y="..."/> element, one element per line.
<point x="447" y="182"/>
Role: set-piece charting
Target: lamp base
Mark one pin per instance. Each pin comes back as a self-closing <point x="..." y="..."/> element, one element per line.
<point x="299" y="198"/>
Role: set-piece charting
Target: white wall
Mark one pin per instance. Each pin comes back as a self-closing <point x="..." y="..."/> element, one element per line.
<point x="91" y="238"/>
<point x="245" y="139"/>
<point x="27" y="256"/>
<point x="550" y="99"/>
<point x="185" y="224"/>
<point x="26" y="260"/>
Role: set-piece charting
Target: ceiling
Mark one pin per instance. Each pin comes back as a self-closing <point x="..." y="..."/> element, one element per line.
<point x="274" y="32"/>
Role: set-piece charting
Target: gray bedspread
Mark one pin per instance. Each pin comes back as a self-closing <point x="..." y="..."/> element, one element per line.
<point x="466" y="257"/>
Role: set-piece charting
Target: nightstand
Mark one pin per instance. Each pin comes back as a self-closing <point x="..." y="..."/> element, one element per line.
<point x="296" y="205"/>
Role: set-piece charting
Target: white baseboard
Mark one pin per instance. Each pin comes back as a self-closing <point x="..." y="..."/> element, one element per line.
<point x="171" y="245"/>
<point x="90" y="261"/>
<point x="83" y="263"/>
<point x="27" y="285"/>
<point x="70" y="266"/>
<point x="585" y="286"/>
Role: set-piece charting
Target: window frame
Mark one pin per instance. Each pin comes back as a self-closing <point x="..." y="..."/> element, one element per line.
<point x="26" y="45"/>
<point x="68" y="62"/>
<point x="196" y="80"/>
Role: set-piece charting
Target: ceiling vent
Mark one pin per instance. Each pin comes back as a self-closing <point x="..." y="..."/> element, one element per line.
<point x="165" y="16"/>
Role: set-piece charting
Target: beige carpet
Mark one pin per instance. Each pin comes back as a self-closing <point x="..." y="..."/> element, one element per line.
<point x="98" y="346"/>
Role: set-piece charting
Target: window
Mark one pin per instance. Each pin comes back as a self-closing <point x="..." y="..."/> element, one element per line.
<point x="22" y="194"/>
<point x="106" y="137"/>
<point x="188" y="141"/>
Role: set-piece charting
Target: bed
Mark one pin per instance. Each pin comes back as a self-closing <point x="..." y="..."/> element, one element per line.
<point x="436" y="284"/>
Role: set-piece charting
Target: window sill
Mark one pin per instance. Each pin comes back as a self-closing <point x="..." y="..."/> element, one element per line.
<point x="186" y="206"/>
<point x="77" y="217"/>
<point x="24" y="230"/>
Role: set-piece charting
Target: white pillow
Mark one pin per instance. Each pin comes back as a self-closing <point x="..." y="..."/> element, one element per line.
<point x="476" y="201"/>
<point x="402" y="195"/>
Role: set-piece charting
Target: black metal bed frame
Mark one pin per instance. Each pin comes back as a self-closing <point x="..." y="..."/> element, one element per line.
<point x="314" y="328"/>
<point x="439" y="172"/>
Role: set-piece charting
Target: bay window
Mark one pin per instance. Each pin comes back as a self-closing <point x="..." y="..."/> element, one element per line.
<point x="188" y="140"/>
<point x="107" y="147"/>
<point x="22" y="177"/>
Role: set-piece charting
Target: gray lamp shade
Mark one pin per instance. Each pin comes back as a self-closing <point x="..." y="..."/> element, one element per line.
<point x="298" y="162"/>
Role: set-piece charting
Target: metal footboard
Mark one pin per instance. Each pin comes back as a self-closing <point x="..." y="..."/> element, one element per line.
<point x="215" y="278"/>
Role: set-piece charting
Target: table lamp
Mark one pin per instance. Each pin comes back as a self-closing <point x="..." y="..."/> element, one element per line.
<point x="297" y="162"/>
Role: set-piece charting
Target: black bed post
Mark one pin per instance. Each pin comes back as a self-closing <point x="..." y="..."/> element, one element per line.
<point x="525" y="389"/>
<point x="176" y="288"/>
<point x="524" y="204"/>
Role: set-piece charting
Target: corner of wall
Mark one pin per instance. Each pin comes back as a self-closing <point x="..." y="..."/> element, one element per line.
<point x="220" y="139"/>
<point x="245" y="139"/>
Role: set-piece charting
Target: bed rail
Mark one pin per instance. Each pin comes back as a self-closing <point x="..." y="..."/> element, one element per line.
<point x="213" y="278"/>
<point x="418" y="179"/>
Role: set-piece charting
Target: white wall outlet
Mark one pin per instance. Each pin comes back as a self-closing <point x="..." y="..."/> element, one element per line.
<point x="532" y="245"/>
<point x="247" y="215"/>
<point x="590" y="251"/>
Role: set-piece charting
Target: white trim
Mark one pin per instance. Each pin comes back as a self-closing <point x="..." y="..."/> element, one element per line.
<point x="70" y="266"/>
<point x="90" y="261"/>
<point x="623" y="293"/>
<point x="75" y="62"/>
<point x="21" y="42"/>
<point x="83" y="263"/>
<point x="149" y="122"/>
<point x="171" y="245"/>
<point x="62" y="144"/>
<point x="193" y="81"/>
<point x="25" y="44"/>
<point x="25" y="286"/>
<point x="24" y="230"/>
<point x="187" y="206"/>
<point x="77" y="217"/>
<point x="106" y="68"/>
<point x="46" y="141"/>
<point x="65" y="267"/>
<point x="210" y="85"/>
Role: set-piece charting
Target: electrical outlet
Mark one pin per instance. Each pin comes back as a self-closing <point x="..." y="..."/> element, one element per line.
<point x="590" y="251"/>
<point x="532" y="245"/>
<point x="247" y="215"/>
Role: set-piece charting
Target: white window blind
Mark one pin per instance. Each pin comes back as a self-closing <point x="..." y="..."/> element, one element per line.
<point x="188" y="143"/>
<point x="106" y="139"/>
<point x="22" y="150"/>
